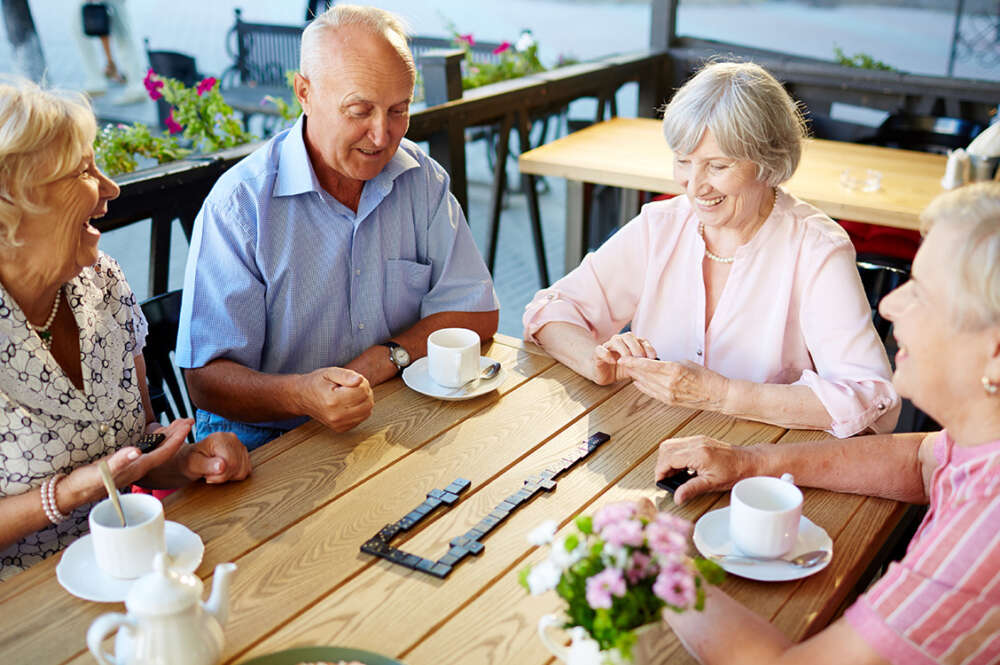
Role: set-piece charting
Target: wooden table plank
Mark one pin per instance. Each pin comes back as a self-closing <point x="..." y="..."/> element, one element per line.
<point x="499" y="625"/>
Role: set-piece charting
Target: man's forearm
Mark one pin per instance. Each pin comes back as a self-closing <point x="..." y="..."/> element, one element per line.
<point x="236" y="392"/>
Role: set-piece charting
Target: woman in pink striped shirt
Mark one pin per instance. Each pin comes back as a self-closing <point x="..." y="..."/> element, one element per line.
<point x="741" y="298"/>
<point x="941" y="603"/>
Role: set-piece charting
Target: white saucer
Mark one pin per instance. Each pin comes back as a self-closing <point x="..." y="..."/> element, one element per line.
<point x="79" y="574"/>
<point x="711" y="536"/>
<point x="416" y="377"/>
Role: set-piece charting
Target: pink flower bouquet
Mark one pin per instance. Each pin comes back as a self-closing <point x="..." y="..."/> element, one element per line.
<point x="619" y="571"/>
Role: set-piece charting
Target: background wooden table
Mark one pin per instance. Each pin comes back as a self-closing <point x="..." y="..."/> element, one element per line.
<point x="295" y="527"/>
<point x="632" y="153"/>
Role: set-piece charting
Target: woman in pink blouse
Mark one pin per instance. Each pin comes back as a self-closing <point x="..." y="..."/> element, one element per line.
<point x="741" y="298"/>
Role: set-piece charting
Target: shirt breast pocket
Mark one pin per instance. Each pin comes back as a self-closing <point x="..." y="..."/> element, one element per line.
<point x="406" y="284"/>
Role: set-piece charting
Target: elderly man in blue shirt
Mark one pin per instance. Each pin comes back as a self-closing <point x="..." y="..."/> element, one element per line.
<point x="321" y="262"/>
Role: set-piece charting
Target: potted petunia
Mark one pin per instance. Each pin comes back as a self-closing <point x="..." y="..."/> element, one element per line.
<point x="617" y="572"/>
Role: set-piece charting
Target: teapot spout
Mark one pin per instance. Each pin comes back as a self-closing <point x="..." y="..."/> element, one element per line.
<point x="218" y="603"/>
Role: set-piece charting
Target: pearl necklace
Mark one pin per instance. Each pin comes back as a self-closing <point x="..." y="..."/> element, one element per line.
<point x="43" y="332"/>
<point x="708" y="252"/>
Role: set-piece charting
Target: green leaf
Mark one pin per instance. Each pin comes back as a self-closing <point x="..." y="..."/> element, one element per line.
<point x="710" y="571"/>
<point x="572" y="540"/>
<point x="522" y="577"/>
<point x="585" y="523"/>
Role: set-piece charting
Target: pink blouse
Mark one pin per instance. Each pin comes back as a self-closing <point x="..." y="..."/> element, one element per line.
<point x="793" y="310"/>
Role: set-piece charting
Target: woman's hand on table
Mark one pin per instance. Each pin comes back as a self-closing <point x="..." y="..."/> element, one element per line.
<point x="608" y="357"/>
<point x="718" y="465"/>
<point x="678" y="383"/>
<point x="337" y="397"/>
<point x="218" y="458"/>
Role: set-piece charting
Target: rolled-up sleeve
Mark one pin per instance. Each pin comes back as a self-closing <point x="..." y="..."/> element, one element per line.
<point x="602" y="293"/>
<point x="223" y="312"/>
<point x="460" y="281"/>
<point x="852" y="377"/>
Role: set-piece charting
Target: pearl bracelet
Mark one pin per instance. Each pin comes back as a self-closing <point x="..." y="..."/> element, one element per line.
<point x="49" y="504"/>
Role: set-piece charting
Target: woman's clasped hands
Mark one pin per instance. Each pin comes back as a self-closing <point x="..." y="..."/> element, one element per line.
<point x="626" y="356"/>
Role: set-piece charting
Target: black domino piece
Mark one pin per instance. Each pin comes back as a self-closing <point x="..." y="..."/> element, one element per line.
<point x="487" y="523"/>
<point x="596" y="440"/>
<point x="498" y="514"/>
<point x="406" y="524"/>
<point x="374" y="546"/>
<point x="433" y="502"/>
<point x="458" y="486"/>
<point x="395" y="555"/>
<point x="451" y="558"/>
<point x="425" y="565"/>
<point x="473" y="534"/>
<point x="449" y="498"/>
<point x="548" y="485"/>
<point x="458" y="541"/>
<point x="389" y="531"/>
<point x="435" y="494"/>
<point x="475" y="547"/>
<point x="411" y="561"/>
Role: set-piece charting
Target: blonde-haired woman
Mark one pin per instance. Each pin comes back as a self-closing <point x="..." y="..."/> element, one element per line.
<point x="941" y="602"/>
<point x="740" y="297"/>
<point x="72" y="379"/>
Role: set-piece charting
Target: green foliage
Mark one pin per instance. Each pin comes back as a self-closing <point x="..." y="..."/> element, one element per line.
<point x="860" y="61"/>
<point x="288" y="112"/>
<point x="513" y="64"/>
<point x="207" y="120"/>
<point x="117" y="146"/>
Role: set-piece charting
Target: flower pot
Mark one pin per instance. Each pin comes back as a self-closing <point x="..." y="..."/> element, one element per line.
<point x="584" y="650"/>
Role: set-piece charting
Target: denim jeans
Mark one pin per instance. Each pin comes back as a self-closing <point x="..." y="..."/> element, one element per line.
<point x="252" y="436"/>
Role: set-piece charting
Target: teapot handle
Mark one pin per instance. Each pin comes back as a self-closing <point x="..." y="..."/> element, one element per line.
<point x="100" y="630"/>
<point x="545" y="623"/>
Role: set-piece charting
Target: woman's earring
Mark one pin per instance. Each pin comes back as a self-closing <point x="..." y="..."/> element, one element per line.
<point x="990" y="387"/>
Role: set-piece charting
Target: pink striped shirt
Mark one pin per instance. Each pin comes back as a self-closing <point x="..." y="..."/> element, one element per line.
<point x="941" y="603"/>
<point x="793" y="310"/>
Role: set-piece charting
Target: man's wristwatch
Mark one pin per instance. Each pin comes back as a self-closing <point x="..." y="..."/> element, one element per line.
<point x="399" y="356"/>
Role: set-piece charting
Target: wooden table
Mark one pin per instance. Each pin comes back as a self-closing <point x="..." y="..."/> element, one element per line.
<point x="295" y="527"/>
<point x="632" y="153"/>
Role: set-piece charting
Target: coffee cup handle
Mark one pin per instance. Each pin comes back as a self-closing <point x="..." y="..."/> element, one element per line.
<point x="101" y="629"/>
<point x="545" y="623"/>
<point x="788" y="478"/>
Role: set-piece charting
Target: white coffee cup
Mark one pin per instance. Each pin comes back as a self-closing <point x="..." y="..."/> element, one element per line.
<point x="764" y="514"/>
<point x="127" y="552"/>
<point x="453" y="356"/>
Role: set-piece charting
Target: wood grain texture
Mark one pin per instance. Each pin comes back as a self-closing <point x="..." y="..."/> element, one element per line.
<point x="632" y="153"/>
<point x="295" y="528"/>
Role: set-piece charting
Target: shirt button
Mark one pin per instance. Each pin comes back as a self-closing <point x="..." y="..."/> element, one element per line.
<point x="699" y="352"/>
<point x="361" y="326"/>
<point x="881" y="406"/>
<point x="103" y="429"/>
<point x="550" y="296"/>
<point x="358" y="271"/>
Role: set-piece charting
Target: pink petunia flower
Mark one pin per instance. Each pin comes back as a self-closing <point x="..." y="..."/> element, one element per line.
<point x="615" y="512"/>
<point x="675" y="585"/>
<point x="153" y="84"/>
<point x="206" y="85"/>
<point x="500" y="49"/>
<point x="642" y="567"/>
<point x="664" y="539"/>
<point x="602" y="586"/>
<point x="468" y="39"/>
<point x="172" y="125"/>
<point x="624" y="532"/>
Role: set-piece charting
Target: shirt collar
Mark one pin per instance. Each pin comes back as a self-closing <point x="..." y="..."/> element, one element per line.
<point x="295" y="169"/>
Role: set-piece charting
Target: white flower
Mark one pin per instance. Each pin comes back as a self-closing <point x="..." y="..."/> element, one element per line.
<point x="525" y="41"/>
<point x="544" y="576"/>
<point x="562" y="558"/>
<point x="543" y="533"/>
<point x="614" y="556"/>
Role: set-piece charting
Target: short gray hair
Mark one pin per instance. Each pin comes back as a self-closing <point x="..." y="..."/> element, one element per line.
<point x="750" y="114"/>
<point x="974" y="210"/>
<point x="378" y="21"/>
<point x="43" y="137"/>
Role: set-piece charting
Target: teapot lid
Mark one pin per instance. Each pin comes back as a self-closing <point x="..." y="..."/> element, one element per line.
<point x="163" y="591"/>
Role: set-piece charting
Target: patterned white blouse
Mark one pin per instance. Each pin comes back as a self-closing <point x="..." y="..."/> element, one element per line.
<point x="47" y="425"/>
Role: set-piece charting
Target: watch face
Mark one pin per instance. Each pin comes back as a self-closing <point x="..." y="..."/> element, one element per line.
<point x="400" y="356"/>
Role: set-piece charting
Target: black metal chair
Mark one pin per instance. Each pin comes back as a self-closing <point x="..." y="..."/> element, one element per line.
<point x="167" y="394"/>
<point x="926" y="133"/>
<point x="881" y="274"/>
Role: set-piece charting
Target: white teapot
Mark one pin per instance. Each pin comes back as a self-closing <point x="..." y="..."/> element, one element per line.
<point x="166" y="624"/>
